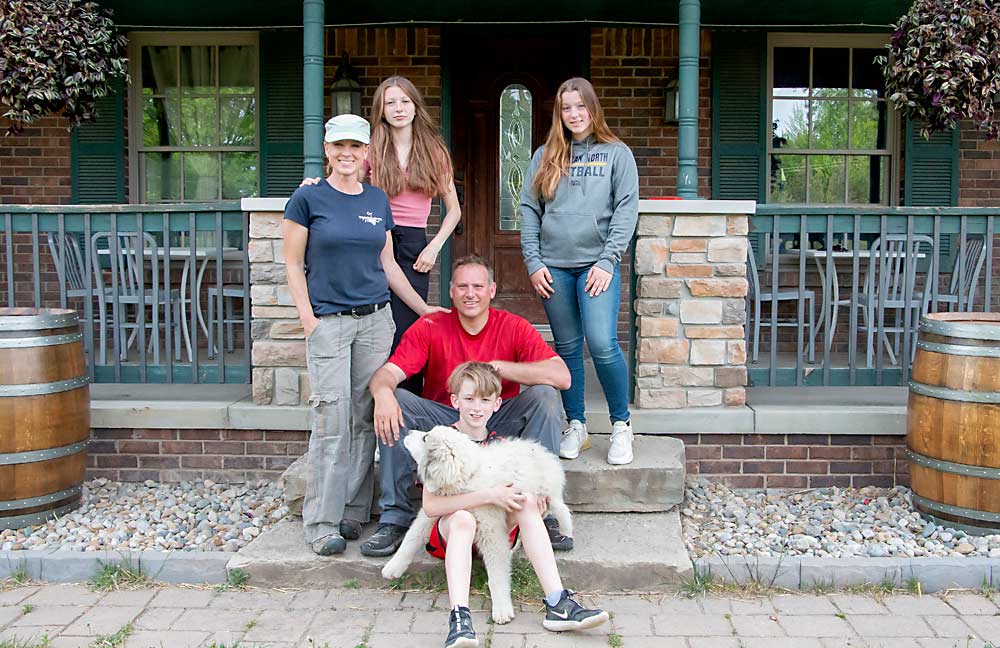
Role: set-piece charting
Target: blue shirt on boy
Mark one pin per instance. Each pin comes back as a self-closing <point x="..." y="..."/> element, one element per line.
<point x="346" y="237"/>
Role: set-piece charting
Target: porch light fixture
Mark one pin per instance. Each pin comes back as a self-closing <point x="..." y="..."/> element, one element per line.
<point x="671" y="101"/>
<point x="345" y="91"/>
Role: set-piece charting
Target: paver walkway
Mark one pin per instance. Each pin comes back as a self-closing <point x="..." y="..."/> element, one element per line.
<point x="175" y="617"/>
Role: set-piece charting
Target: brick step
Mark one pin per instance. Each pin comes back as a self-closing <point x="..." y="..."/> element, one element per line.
<point x="634" y="551"/>
<point x="653" y="482"/>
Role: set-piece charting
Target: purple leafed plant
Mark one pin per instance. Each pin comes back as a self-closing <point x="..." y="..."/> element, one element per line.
<point x="56" y="56"/>
<point x="943" y="64"/>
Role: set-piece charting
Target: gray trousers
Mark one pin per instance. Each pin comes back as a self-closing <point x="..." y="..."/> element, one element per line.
<point x="342" y="354"/>
<point x="535" y="414"/>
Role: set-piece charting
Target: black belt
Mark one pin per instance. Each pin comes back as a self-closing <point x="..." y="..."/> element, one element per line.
<point x="360" y="311"/>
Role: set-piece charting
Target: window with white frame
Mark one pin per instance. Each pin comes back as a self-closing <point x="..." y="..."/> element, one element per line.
<point x="194" y="136"/>
<point x="832" y="132"/>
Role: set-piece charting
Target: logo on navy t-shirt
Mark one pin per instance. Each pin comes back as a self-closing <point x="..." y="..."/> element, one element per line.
<point x="370" y="218"/>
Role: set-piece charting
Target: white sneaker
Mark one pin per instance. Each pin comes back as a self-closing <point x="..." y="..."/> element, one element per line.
<point x="620" y="451"/>
<point x="574" y="439"/>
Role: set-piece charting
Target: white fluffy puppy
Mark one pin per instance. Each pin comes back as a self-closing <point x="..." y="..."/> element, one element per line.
<point x="450" y="463"/>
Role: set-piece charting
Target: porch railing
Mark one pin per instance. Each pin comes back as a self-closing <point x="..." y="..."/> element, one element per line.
<point x="151" y="283"/>
<point x="847" y="286"/>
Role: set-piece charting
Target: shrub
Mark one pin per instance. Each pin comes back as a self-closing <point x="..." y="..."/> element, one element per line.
<point x="56" y="56"/>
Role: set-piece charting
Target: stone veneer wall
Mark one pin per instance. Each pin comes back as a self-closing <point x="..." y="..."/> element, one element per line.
<point x="691" y="303"/>
<point x="278" y="354"/>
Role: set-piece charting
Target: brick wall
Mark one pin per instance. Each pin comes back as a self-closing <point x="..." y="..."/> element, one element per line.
<point x="35" y="164"/>
<point x="181" y="455"/>
<point x="978" y="169"/>
<point x="798" y="460"/>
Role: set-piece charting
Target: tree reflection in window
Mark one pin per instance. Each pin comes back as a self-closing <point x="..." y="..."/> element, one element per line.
<point x="515" y="152"/>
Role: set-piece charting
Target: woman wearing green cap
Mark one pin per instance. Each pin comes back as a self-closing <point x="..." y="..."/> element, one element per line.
<point x="340" y="266"/>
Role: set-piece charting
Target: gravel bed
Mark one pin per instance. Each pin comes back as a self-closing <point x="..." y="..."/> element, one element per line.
<point x="828" y="522"/>
<point x="186" y="516"/>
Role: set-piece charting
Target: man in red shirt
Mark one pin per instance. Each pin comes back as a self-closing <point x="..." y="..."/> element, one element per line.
<point x="438" y="343"/>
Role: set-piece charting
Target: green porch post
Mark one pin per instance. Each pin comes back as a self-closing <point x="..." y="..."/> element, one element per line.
<point x="313" y="14"/>
<point x="687" y="122"/>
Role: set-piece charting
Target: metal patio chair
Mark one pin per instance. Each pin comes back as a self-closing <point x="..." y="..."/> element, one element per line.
<point x="755" y="298"/>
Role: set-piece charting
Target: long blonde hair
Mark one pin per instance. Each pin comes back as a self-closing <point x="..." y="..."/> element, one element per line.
<point x="555" y="158"/>
<point x="429" y="168"/>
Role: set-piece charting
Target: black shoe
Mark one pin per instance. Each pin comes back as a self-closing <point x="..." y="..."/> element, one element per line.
<point x="350" y="529"/>
<point x="329" y="545"/>
<point x="567" y="614"/>
<point x="385" y="541"/>
<point x="558" y="540"/>
<point x="460" y="632"/>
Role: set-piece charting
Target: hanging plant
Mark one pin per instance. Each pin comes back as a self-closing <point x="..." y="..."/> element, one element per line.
<point x="944" y="64"/>
<point x="56" y="56"/>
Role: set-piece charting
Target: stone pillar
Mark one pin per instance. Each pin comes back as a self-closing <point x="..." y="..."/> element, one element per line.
<point x="690" y="259"/>
<point x="278" y="352"/>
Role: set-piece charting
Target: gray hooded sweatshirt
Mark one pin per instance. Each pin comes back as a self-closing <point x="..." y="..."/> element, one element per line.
<point x="591" y="218"/>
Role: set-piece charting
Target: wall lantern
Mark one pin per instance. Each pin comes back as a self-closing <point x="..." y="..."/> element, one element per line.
<point x="345" y="91"/>
<point x="671" y="97"/>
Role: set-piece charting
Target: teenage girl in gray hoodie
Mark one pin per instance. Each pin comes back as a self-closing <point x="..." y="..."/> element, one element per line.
<point x="579" y="208"/>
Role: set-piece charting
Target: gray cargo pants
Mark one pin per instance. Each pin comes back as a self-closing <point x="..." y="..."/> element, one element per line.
<point x="535" y="414"/>
<point x="342" y="354"/>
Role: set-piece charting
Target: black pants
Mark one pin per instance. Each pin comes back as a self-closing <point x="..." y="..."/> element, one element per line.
<point x="407" y="244"/>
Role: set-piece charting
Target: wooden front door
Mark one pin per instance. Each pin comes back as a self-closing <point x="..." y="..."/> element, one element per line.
<point x="503" y="88"/>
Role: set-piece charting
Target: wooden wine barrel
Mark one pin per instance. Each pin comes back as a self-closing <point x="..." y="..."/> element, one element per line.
<point x="44" y="415"/>
<point x="953" y="422"/>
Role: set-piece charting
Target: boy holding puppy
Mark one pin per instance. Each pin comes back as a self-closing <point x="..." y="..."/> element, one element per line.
<point x="475" y="392"/>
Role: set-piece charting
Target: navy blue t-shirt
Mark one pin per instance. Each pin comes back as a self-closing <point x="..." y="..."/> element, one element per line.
<point x="346" y="237"/>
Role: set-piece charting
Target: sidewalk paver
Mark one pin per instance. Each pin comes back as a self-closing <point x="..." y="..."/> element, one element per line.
<point x="178" y="617"/>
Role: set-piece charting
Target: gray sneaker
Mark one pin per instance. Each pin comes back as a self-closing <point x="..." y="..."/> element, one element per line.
<point x="567" y="614"/>
<point x="329" y="545"/>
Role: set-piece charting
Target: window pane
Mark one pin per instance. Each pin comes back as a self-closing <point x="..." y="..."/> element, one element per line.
<point x="829" y="124"/>
<point x="866" y="179"/>
<point x="162" y="177"/>
<point x="198" y="125"/>
<point x="201" y="176"/>
<point x="197" y="69"/>
<point x="239" y="175"/>
<point x="866" y="77"/>
<point x="236" y="115"/>
<point x="159" y="122"/>
<point x="515" y="152"/>
<point x="791" y="71"/>
<point x="790" y="123"/>
<point x="237" y="69"/>
<point x="868" y="124"/>
<point x="788" y="178"/>
<point x="830" y="66"/>
<point x="159" y="69"/>
<point x="826" y="179"/>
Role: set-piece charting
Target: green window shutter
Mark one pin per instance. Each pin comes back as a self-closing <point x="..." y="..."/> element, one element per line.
<point x="280" y="112"/>
<point x="931" y="168"/>
<point x="931" y="178"/>
<point x="97" y="153"/>
<point x="738" y="116"/>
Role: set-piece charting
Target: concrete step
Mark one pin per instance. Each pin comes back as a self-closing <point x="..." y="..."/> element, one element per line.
<point x="653" y="482"/>
<point x="635" y="551"/>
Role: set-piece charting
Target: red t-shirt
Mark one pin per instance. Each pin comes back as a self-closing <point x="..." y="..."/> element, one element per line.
<point x="437" y="344"/>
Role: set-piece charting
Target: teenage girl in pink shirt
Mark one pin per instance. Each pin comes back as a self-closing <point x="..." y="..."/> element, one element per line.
<point x="410" y="162"/>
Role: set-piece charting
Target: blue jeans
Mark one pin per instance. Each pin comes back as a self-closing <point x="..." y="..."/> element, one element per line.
<point x="574" y="316"/>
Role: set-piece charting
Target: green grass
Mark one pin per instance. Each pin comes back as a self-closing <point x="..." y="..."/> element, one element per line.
<point x="124" y="575"/>
<point x="27" y="608"/>
<point x="18" y="578"/>
<point x="699" y="584"/>
<point x="523" y="582"/>
<point x="352" y="584"/>
<point x="615" y="640"/>
<point x="251" y="624"/>
<point x="115" y="640"/>
<point x="41" y="642"/>
<point x="236" y="579"/>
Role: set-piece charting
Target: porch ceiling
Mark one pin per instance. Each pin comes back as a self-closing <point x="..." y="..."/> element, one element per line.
<point x="272" y="13"/>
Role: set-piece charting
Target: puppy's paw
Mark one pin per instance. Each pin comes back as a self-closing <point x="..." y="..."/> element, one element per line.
<point x="393" y="569"/>
<point x="503" y="612"/>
